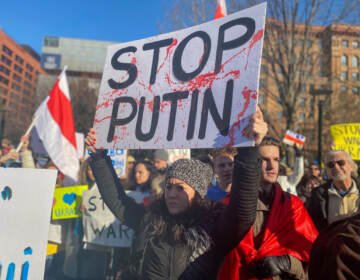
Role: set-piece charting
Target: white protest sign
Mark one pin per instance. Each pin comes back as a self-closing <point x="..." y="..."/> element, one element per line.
<point x="194" y="88"/>
<point x="25" y="206"/>
<point x="175" y="154"/>
<point x="100" y="225"/>
<point x="118" y="159"/>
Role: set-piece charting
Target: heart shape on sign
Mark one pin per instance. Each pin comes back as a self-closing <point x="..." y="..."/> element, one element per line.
<point x="69" y="198"/>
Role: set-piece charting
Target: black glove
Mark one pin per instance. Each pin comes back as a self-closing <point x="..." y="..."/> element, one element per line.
<point x="271" y="266"/>
<point x="298" y="151"/>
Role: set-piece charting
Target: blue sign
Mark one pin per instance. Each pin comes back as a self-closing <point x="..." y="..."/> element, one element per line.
<point x="50" y="61"/>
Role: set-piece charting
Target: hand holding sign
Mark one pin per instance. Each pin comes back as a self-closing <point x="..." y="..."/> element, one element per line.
<point x="257" y="127"/>
<point x="90" y="140"/>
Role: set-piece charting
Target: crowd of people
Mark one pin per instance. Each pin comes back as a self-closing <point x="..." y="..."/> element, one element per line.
<point x="237" y="213"/>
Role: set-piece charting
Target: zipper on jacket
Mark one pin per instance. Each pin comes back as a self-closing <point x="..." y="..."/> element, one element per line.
<point x="171" y="262"/>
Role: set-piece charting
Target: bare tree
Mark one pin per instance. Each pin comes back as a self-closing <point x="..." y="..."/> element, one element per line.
<point x="296" y="50"/>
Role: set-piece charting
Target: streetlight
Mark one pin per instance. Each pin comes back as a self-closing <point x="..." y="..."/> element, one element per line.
<point x="321" y="102"/>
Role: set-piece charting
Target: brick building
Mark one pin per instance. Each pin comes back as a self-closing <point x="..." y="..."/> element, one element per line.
<point x="331" y="63"/>
<point x="19" y="71"/>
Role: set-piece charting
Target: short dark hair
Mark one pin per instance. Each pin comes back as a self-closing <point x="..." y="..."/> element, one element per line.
<point x="271" y="141"/>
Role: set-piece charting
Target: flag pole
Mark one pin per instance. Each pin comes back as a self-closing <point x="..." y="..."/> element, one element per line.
<point x="27" y="132"/>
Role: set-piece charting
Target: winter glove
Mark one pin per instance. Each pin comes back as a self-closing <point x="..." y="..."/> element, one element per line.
<point x="271" y="266"/>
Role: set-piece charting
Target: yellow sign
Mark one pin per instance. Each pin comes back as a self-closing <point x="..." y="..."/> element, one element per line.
<point x="346" y="137"/>
<point x="67" y="202"/>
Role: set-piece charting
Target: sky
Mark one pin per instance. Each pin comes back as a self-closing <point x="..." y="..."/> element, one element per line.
<point x="27" y="22"/>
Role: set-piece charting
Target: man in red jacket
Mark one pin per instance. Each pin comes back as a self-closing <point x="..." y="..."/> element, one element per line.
<point x="278" y="244"/>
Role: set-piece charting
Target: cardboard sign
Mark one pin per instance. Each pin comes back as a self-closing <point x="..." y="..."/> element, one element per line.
<point x="292" y="138"/>
<point x="100" y="225"/>
<point x="175" y="154"/>
<point x="67" y="202"/>
<point x="347" y="138"/>
<point x="194" y="88"/>
<point x="25" y="206"/>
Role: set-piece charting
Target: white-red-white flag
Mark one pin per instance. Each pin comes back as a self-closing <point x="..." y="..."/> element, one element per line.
<point x="221" y="9"/>
<point x="55" y="127"/>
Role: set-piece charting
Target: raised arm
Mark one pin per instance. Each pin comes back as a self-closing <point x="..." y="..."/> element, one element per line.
<point x="124" y="208"/>
<point x="240" y="213"/>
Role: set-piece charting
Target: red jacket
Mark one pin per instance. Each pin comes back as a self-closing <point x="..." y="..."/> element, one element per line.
<point x="289" y="231"/>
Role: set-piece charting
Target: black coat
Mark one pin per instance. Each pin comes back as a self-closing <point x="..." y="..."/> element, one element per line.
<point x="209" y="235"/>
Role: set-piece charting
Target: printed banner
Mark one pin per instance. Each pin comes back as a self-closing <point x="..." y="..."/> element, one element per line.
<point x="67" y="202"/>
<point x="25" y="206"/>
<point x="346" y="137"/>
<point x="118" y="158"/>
<point x="194" y="88"/>
<point x="292" y="138"/>
<point x="99" y="223"/>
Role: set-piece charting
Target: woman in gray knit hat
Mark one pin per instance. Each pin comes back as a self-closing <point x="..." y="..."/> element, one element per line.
<point x="180" y="235"/>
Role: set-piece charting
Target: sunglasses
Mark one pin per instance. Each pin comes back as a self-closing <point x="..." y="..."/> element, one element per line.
<point x="332" y="164"/>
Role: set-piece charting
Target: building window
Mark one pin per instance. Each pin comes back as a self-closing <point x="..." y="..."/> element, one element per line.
<point x="17" y="78"/>
<point x="18" y="68"/>
<point x="308" y="60"/>
<point x="26" y="92"/>
<point x="3" y="91"/>
<point x="7" y="50"/>
<point x="27" y="84"/>
<point x="19" y="59"/>
<point x="50" y="41"/>
<point x="355" y="90"/>
<point x="355" y="76"/>
<point x="15" y="87"/>
<point x="261" y="99"/>
<point x="321" y="45"/>
<point x="302" y="116"/>
<point x="29" y="67"/>
<point x="344" y="60"/>
<point x="355" y="44"/>
<point x="309" y="43"/>
<point x="344" y="88"/>
<point x="13" y="105"/>
<point x="355" y="61"/>
<point x="5" y="60"/>
<point x="302" y="101"/>
<point x="303" y="87"/>
<point x="14" y="96"/>
<point x="280" y="114"/>
<point x="4" y="80"/>
<point x="344" y="43"/>
<point x="344" y="76"/>
<point x="28" y="76"/>
<point x="4" y="70"/>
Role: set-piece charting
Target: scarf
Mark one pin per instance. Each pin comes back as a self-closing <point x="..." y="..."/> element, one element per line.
<point x="289" y="230"/>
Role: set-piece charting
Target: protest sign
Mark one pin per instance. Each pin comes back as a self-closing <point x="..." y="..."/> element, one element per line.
<point x="175" y="154"/>
<point x="25" y="205"/>
<point x="67" y="202"/>
<point x="292" y="138"/>
<point x="346" y="137"/>
<point x="100" y="225"/>
<point x="194" y="88"/>
<point x="118" y="159"/>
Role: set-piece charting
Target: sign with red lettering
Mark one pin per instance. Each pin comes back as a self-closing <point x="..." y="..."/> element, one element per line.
<point x="194" y="88"/>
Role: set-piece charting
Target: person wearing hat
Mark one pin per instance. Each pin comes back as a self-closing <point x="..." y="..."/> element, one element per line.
<point x="160" y="159"/>
<point x="181" y="235"/>
<point x="126" y="180"/>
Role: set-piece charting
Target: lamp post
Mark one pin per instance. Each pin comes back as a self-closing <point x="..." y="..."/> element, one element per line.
<point x="322" y="94"/>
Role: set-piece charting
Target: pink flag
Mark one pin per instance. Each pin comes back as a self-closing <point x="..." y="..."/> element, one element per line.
<point x="55" y="127"/>
<point x="221" y="9"/>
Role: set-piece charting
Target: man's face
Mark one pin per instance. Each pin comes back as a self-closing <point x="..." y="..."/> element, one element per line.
<point x="314" y="170"/>
<point x="270" y="156"/>
<point x="160" y="164"/>
<point x="224" y="166"/>
<point x="338" y="168"/>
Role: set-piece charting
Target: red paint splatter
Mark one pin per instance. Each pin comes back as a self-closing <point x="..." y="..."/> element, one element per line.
<point x="133" y="61"/>
<point x="168" y="49"/>
<point x="257" y="37"/>
<point x="98" y="121"/>
<point x="246" y="93"/>
<point x="157" y="140"/>
<point x="231" y="58"/>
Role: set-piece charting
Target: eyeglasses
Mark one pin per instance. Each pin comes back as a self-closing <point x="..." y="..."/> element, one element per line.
<point x="332" y="164"/>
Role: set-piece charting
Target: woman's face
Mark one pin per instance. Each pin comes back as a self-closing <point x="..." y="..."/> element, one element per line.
<point x="178" y="196"/>
<point x="141" y="174"/>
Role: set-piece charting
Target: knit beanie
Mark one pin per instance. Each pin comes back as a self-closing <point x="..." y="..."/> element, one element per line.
<point x="161" y="154"/>
<point x="195" y="173"/>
